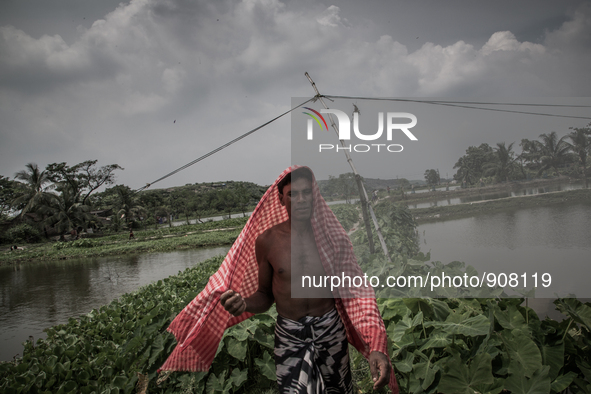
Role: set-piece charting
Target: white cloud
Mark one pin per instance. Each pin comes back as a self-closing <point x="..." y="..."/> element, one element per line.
<point x="331" y="18"/>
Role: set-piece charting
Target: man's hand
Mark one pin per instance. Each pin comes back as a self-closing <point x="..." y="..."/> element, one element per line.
<point x="233" y="302"/>
<point x="379" y="366"/>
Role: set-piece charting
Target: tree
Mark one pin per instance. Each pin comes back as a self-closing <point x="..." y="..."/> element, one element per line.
<point x="432" y="177"/>
<point x="581" y="145"/>
<point x="127" y="204"/>
<point x="554" y="152"/>
<point x="8" y="190"/>
<point x="243" y="198"/>
<point x="32" y="191"/>
<point x="344" y="185"/>
<point x="82" y="178"/>
<point x="471" y="165"/>
<point x="63" y="212"/>
<point x="531" y="152"/>
<point x="503" y="164"/>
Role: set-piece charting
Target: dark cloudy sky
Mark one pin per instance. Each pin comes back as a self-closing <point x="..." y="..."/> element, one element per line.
<point x="154" y="84"/>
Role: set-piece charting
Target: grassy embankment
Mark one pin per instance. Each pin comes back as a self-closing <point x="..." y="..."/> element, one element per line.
<point x="423" y="215"/>
<point x="164" y="239"/>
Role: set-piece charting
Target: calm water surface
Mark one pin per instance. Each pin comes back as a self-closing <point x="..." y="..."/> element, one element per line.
<point x="34" y="296"/>
<point x="555" y="239"/>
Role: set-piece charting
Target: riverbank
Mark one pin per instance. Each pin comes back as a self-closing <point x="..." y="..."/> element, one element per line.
<point x="193" y="236"/>
<point x="425" y="215"/>
<point x="456" y="191"/>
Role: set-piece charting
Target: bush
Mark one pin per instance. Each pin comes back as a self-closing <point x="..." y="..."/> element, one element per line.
<point x="22" y="233"/>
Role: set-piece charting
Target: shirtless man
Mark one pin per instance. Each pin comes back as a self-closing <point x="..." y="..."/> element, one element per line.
<point x="274" y="258"/>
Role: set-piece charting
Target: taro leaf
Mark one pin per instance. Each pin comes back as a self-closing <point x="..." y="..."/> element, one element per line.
<point x="539" y="383"/>
<point x="265" y="319"/>
<point x="238" y="377"/>
<point x="563" y="381"/>
<point x="511" y="318"/>
<point x="473" y="326"/>
<point x="119" y="381"/>
<point x="495" y="388"/>
<point x="406" y="364"/>
<point x="425" y="371"/>
<point x="585" y="368"/>
<point x="215" y="383"/>
<point x="220" y="347"/>
<point x="418" y="319"/>
<point x="264" y="339"/>
<point x="250" y="325"/>
<point x="523" y="351"/>
<point x="400" y="329"/>
<point x="239" y="332"/>
<point x="461" y="379"/>
<point x="580" y="312"/>
<point x="391" y="308"/>
<point x="157" y="349"/>
<point x="237" y="349"/>
<point x="553" y="356"/>
<point x="440" y="309"/>
<point x="267" y="366"/>
<point x="406" y="341"/>
<point x="417" y="305"/>
<point x="437" y="339"/>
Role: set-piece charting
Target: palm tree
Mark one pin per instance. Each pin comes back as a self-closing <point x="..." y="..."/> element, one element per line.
<point x="504" y="162"/>
<point x="64" y="212"/>
<point x="581" y="144"/>
<point x="128" y="204"/>
<point x="32" y="192"/>
<point x="554" y="152"/>
<point x="464" y="173"/>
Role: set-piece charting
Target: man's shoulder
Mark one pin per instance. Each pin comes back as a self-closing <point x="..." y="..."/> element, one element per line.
<point x="273" y="232"/>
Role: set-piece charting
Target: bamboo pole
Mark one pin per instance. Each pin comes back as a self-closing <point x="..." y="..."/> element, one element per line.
<point x="365" y="205"/>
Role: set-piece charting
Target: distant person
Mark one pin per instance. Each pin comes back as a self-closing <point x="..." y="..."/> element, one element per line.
<point x="74" y="234"/>
<point x="131" y="236"/>
<point x="388" y="190"/>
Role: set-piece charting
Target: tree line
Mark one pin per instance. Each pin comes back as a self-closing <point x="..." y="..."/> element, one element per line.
<point x="547" y="155"/>
<point x="60" y="198"/>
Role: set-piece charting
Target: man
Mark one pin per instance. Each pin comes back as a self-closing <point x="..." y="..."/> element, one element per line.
<point x="290" y="221"/>
<point x="294" y="240"/>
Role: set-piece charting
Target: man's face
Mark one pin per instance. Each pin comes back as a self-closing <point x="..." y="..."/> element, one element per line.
<point x="297" y="198"/>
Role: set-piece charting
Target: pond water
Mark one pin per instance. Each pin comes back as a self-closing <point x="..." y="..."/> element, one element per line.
<point x="515" y="192"/>
<point x="553" y="240"/>
<point x="34" y="296"/>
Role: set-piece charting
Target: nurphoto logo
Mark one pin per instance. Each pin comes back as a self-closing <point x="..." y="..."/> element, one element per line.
<point x="344" y="128"/>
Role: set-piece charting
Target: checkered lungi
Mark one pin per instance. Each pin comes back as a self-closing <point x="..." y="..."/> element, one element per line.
<point x="311" y="355"/>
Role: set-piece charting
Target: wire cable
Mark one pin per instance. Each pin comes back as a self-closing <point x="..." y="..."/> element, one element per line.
<point x="223" y="146"/>
<point x="463" y="104"/>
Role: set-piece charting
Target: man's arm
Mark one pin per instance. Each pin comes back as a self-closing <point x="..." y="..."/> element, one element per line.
<point x="379" y="366"/>
<point x="263" y="298"/>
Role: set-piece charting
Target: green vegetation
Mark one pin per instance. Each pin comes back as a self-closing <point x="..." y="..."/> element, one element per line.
<point x="548" y="155"/>
<point x="63" y="201"/>
<point x="161" y="240"/>
<point x="451" y="345"/>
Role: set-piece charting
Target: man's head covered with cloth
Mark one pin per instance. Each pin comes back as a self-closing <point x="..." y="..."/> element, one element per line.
<point x="200" y="326"/>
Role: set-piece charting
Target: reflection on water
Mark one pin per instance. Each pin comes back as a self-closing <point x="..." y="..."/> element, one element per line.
<point x="34" y="296"/>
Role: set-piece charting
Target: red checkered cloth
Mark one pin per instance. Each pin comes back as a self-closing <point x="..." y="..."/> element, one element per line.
<point x="199" y="327"/>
